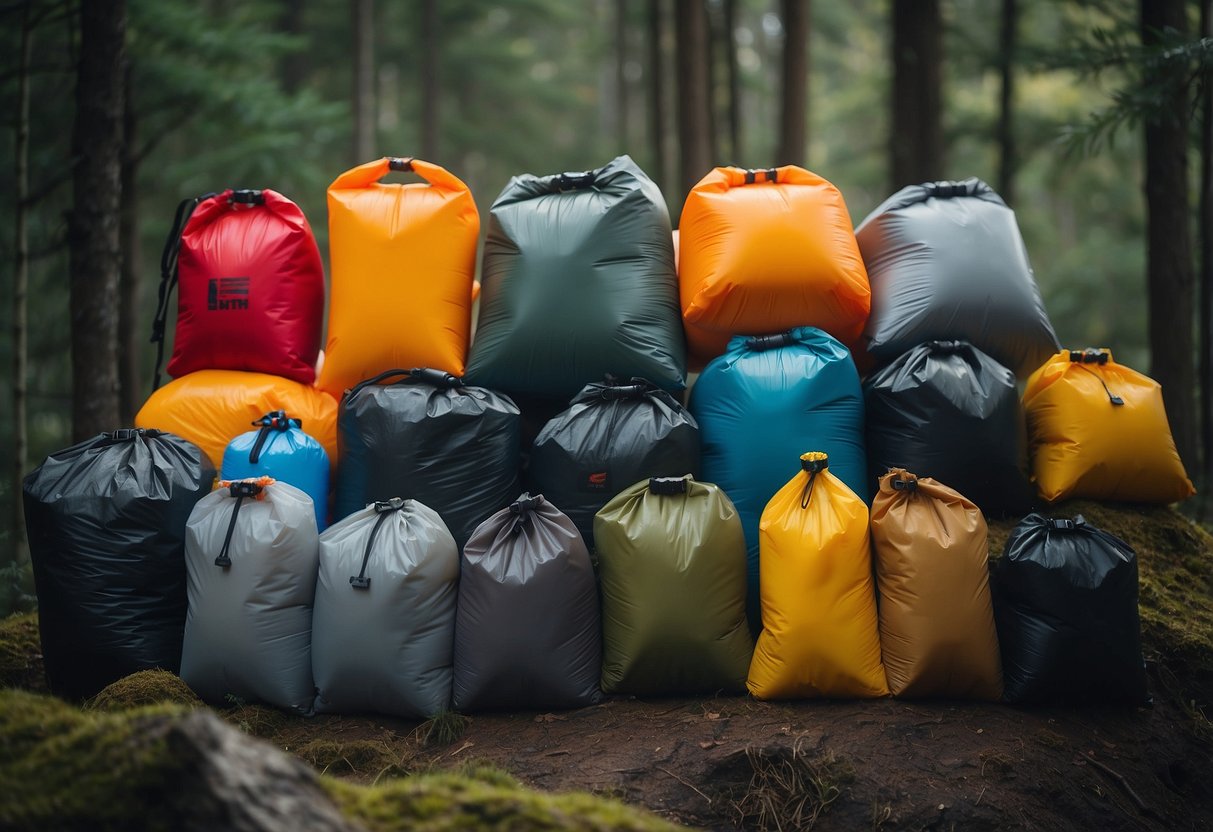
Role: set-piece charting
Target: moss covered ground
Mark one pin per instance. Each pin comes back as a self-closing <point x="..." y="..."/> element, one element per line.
<point x="147" y="687"/>
<point x="21" y="653"/>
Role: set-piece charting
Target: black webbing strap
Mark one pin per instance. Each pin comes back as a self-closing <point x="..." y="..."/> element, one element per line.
<point x="168" y="276"/>
<point x="275" y="420"/>
<point x="386" y="509"/>
<point x="1081" y="358"/>
<point x="239" y="490"/>
<point x="813" y="464"/>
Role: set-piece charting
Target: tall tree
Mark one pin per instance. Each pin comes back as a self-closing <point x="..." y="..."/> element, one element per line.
<point x="656" y="76"/>
<point x="20" y="311"/>
<point x="1007" y="162"/>
<point x="916" y="140"/>
<point x="1206" y="256"/>
<point x="429" y="79"/>
<point x="736" y="145"/>
<point x="364" y="81"/>
<point x="131" y="333"/>
<point x="292" y="67"/>
<point x="694" y="97"/>
<point x="1169" y="279"/>
<point x="794" y="91"/>
<point x="621" y="74"/>
<point x="95" y="259"/>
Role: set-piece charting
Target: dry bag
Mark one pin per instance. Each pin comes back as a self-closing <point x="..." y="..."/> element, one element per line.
<point x="279" y="449"/>
<point x="948" y="411"/>
<point x="937" y="635"/>
<point x="385" y="612"/>
<point x="527" y="635"/>
<point x="766" y="250"/>
<point x="946" y="262"/>
<point x="250" y="285"/>
<point x="251" y="549"/>
<point x="1099" y="430"/>
<point x="671" y="558"/>
<point x="819" y="631"/>
<point x="212" y="407"/>
<point x="403" y="257"/>
<point x="614" y="434"/>
<point x="106" y="523"/>
<point x="578" y="282"/>
<point x="428" y="437"/>
<point x="1065" y="600"/>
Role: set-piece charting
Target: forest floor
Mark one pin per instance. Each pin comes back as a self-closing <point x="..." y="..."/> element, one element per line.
<point x="731" y="762"/>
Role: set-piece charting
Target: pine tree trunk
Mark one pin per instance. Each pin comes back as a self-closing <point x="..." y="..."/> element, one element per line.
<point x="1206" y="261"/>
<point x="429" y="79"/>
<point x="735" y="127"/>
<point x="20" y="297"/>
<point x="694" y="103"/>
<point x="656" y="76"/>
<point x="131" y="330"/>
<point x="621" y="80"/>
<point x="1007" y="161"/>
<point x="293" y="65"/>
<point x="1169" y="278"/>
<point x="364" y="81"/>
<point x="794" y="93"/>
<point x="95" y="259"/>
<point x="916" y="142"/>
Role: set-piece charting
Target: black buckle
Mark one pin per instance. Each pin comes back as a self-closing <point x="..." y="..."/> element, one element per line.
<point x="815" y="466"/>
<point x="1090" y="355"/>
<point x="947" y="190"/>
<point x="360" y="582"/>
<point x="246" y="196"/>
<point x="525" y="503"/>
<point x="1065" y="524"/>
<point x="769" y="342"/>
<point x="245" y="488"/>
<point x="124" y="434"/>
<point x="668" y="485"/>
<point x="438" y="378"/>
<point x="394" y="504"/>
<point x="905" y="485"/>
<point x="278" y="420"/>
<point x="574" y="180"/>
<point x="403" y="164"/>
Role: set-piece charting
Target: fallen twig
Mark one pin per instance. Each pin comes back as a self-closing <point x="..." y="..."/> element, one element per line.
<point x="685" y="783"/>
<point x="1120" y="779"/>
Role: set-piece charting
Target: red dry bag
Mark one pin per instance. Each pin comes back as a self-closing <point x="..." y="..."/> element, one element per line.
<point x="252" y="287"/>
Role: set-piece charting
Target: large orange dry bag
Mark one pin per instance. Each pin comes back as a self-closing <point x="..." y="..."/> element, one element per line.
<point x="212" y="407"/>
<point x="764" y="251"/>
<point x="402" y="259"/>
<point x="1099" y="430"/>
<point x="819" y="634"/>
<point x="937" y="635"/>
<point x="251" y="283"/>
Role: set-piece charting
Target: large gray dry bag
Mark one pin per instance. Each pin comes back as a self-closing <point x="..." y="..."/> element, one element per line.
<point x="946" y="261"/>
<point x="527" y="635"/>
<point x="579" y="282"/>
<point x="613" y="435"/>
<point x="385" y="612"/>
<point x="251" y="550"/>
<point x="106" y="524"/>
<point x="428" y="437"/>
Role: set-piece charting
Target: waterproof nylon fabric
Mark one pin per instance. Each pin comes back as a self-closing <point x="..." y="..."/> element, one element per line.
<point x="672" y="569"/>
<point x="528" y="631"/>
<point x="106" y="525"/>
<point x="1065" y="601"/>
<point x="578" y="282"/>
<point x="250" y="290"/>
<point x="1084" y="445"/>
<point x="611" y="436"/>
<point x="287" y="456"/>
<point x="386" y="648"/>
<point x="937" y="634"/>
<point x="403" y="257"/>
<point x="452" y="447"/>
<point x="758" y="407"/>
<point x="948" y="411"/>
<point x="212" y="407"/>
<point x="819" y="629"/>
<point x="760" y="255"/>
<point x="248" y="633"/>
<point x="946" y="262"/>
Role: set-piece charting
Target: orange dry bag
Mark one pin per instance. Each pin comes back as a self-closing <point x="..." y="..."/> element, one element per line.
<point x="764" y="251"/>
<point x="1099" y="430"/>
<point x="402" y="259"/>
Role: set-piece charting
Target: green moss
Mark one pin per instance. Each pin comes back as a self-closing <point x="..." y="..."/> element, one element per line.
<point x="21" y="653"/>
<point x="371" y="759"/>
<point x="257" y="720"/>
<point x="147" y="687"/>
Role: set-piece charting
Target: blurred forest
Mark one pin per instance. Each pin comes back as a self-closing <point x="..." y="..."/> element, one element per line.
<point x="1050" y="101"/>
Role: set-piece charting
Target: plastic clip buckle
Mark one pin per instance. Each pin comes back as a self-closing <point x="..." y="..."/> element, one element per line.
<point x="667" y="485"/>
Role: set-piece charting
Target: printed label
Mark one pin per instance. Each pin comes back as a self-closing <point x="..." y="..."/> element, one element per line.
<point x="224" y="293"/>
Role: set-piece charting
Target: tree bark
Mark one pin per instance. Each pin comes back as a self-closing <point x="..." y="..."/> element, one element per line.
<point x="794" y="92"/>
<point x="694" y="102"/>
<point x="20" y="297"/>
<point x="364" y="81"/>
<point x="1007" y="161"/>
<point x="656" y="76"/>
<point x="430" y="79"/>
<point x="131" y="332"/>
<point x="730" y="50"/>
<point x="1169" y="278"/>
<point x="916" y="142"/>
<point x="293" y="66"/>
<point x="95" y="258"/>
<point x="621" y="80"/>
<point x="1206" y="261"/>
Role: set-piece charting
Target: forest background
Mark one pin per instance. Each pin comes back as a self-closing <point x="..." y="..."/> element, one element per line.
<point x="1090" y="117"/>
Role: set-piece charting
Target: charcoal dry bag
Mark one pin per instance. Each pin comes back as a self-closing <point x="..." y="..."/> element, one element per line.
<point x="578" y="282"/>
<point x="403" y="256"/>
<point x="948" y="411"/>
<point x="1099" y="430"/>
<point x="527" y="634"/>
<point x="251" y="550"/>
<point x="1065" y="601"/>
<point x="614" y="434"/>
<point x="671" y="559"/>
<point x="250" y="287"/>
<point x="946" y="262"/>
<point x="279" y="449"/>
<point x="762" y="251"/>
<point x="106" y="524"/>
<point x="937" y="635"/>
<point x="424" y="435"/>
<point x="759" y="405"/>
<point x="384" y="620"/>
<point x="819" y="629"/>
<point x="212" y="407"/>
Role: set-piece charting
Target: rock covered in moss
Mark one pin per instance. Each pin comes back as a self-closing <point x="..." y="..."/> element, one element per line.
<point x="147" y="687"/>
<point x="21" y="653"/>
